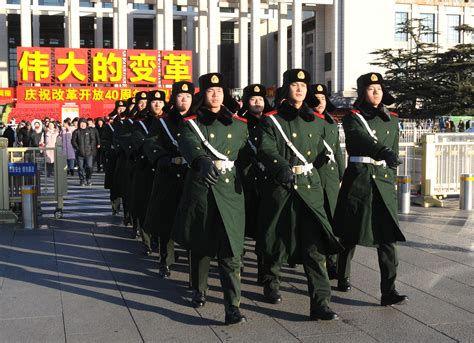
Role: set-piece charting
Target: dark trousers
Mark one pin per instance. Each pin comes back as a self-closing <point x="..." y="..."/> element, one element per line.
<point x="314" y="262"/>
<point x="166" y="250"/>
<point x="388" y="263"/>
<point x="85" y="167"/>
<point x="229" y="270"/>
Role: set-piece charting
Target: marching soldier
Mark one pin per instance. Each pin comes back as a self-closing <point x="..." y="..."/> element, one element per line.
<point x="331" y="170"/>
<point x="254" y="178"/>
<point x="162" y="149"/>
<point x="142" y="169"/>
<point x="121" y="177"/>
<point x="110" y="155"/>
<point x="211" y="216"/>
<point x="293" y="213"/>
<point x="366" y="211"/>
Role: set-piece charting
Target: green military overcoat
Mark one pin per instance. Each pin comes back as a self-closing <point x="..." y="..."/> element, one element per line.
<point x="277" y="214"/>
<point x="331" y="173"/>
<point x="167" y="183"/>
<point x="366" y="211"/>
<point x="202" y="209"/>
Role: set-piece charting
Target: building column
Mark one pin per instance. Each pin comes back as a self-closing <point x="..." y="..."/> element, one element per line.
<point x="202" y="27"/>
<point x="130" y="27"/>
<point x="98" y="27"/>
<point x="213" y="29"/>
<point x="297" y="35"/>
<point x="243" y="76"/>
<point x="190" y="41"/>
<point x="121" y="23"/>
<point x="73" y="30"/>
<point x="168" y="22"/>
<point x="336" y="88"/>
<point x="4" y="44"/>
<point x="282" y="41"/>
<point x="160" y="25"/>
<point x="255" y="57"/>
<point x="25" y="22"/>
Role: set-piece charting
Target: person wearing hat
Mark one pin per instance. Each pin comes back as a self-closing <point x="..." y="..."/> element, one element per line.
<point x="254" y="177"/>
<point x="292" y="215"/>
<point x="331" y="169"/>
<point x="142" y="174"/>
<point x="162" y="150"/>
<point x="366" y="211"/>
<point x="211" y="215"/>
<point x="124" y="145"/>
<point x="84" y="143"/>
<point x="110" y="154"/>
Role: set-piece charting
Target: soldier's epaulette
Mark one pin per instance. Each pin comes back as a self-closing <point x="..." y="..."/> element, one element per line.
<point x="190" y="117"/>
<point x="355" y="111"/>
<point x="394" y="114"/>
<point x="239" y="118"/>
<point x="319" y="115"/>
<point x="271" y="113"/>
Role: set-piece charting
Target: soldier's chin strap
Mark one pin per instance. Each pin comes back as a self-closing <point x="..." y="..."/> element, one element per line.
<point x="306" y="166"/>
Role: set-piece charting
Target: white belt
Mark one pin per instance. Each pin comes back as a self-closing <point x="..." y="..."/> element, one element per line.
<point x="366" y="159"/>
<point x="178" y="160"/>
<point x="303" y="169"/>
<point x="224" y="165"/>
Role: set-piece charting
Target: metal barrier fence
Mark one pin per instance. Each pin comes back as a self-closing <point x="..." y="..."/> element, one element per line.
<point x="50" y="181"/>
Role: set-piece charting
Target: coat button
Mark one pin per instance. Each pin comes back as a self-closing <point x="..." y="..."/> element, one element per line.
<point x="229" y="135"/>
<point x="153" y="169"/>
<point x="154" y="150"/>
<point x="212" y="135"/>
<point x="294" y="134"/>
<point x="310" y="135"/>
<point x="256" y="138"/>
<point x="275" y="161"/>
<point x="198" y="148"/>
<point x="386" y="175"/>
<point x="295" y="186"/>
<point x="142" y="157"/>
<point x="178" y="175"/>
<point x="388" y="132"/>
<point x="373" y="176"/>
<point x="308" y="153"/>
<point x="228" y="152"/>
<point x="332" y="168"/>
<point x="129" y="146"/>
<point x="178" y="134"/>
<point x="309" y="186"/>
<point x="227" y="180"/>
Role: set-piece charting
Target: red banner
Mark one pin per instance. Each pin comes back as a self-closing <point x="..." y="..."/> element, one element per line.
<point x="45" y="95"/>
<point x="103" y="66"/>
<point x="6" y="95"/>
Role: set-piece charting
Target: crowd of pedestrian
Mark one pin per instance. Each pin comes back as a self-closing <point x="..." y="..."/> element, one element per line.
<point x="80" y="140"/>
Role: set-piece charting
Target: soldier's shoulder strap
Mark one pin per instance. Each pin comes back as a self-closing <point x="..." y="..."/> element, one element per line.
<point x="354" y="112"/>
<point x="239" y="118"/>
<point x="189" y="118"/>
<point x="394" y="114"/>
<point x="168" y="132"/>
<point x="271" y="113"/>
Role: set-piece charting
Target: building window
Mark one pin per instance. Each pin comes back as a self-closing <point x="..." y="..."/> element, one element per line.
<point x="227" y="54"/>
<point x="106" y="5"/>
<point x="400" y="19"/>
<point x="51" y="2"/>
<point x="142" y="7"/>
<point x="52" y="31"/>
<point x="428" y="20"/>
<point x="86" y="3"/>
<point x="328" y="61"/>
<point x="141" y="33"/>
<point x="14" y="40"/>
<point x="13" y="2"/>
<point x="329" y="86"/>
<point x="453" y="35"/>
<point x="87" y="32"/>
<point x="108" y="32"/>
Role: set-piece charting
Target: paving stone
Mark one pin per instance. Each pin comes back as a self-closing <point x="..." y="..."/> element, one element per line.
<point x="43" y="329"/>
<point x="348" y="337"/>
<point x="462" y="332"/>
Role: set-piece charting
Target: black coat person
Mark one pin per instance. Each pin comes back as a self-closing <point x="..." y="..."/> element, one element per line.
<point x="84" y="142"/>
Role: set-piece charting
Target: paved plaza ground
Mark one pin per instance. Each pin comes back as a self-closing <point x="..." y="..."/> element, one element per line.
<point x="83" y="279"/>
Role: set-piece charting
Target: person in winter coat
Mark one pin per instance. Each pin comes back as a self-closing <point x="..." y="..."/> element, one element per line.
<point x="9" y="134"/>
<point x="24" y="135"/>
<point x="50" y="137"/>
<point x="37" y="134"/>
<point x="68" y="149"/>
<point x="85" y="144"/>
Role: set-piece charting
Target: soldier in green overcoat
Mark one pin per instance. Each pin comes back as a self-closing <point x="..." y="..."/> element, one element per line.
<point x="332" y="170"/>
<point x="366" y="212"/>
<point x="254" y="177"/>
<point x="107" y="143"/>
<point x="162" y="149"/>
<point x="292" y="216"/>
<point x="143" y="172"/>
<point x="211" y="216"/>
